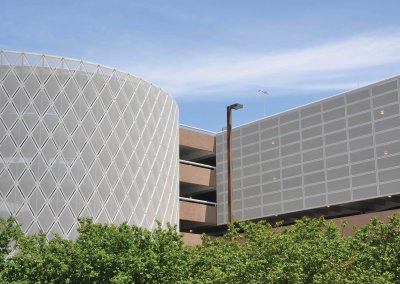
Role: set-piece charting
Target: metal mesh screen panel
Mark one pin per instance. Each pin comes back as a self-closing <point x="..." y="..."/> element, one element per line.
<point x="341" y="149"/>
<point x="82" y="140"/>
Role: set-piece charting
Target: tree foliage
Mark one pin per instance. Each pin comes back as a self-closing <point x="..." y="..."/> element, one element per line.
<point x="310" y="251"/>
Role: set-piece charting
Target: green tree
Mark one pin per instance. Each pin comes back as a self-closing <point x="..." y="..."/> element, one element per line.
<point x="310" y="251"/>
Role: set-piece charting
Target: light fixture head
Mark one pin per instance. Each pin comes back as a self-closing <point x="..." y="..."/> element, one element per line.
<point x="263" y="92"/>
<point x="236" y="106"/>
<point x="382" y="112"/>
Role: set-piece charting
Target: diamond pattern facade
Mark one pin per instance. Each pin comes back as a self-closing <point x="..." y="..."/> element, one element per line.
<point x="82" y="140"/>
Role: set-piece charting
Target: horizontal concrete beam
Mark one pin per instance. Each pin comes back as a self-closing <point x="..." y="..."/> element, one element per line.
<point x="196" y="140"/>
<point x="190" y="239"/>
<point x="200" y="213"/>
<point x="357" y="221"/>
<point x="196" y="175"/>
<point x="363" y="219"/>
<point x="353" y="221"/>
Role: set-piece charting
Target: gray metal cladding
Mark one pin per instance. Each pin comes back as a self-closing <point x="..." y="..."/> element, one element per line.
<point x="83" y="140"/>
<point x="341" y="149"/>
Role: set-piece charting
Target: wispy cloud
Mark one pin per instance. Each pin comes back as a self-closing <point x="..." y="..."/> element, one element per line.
<point x="327" y="66"/>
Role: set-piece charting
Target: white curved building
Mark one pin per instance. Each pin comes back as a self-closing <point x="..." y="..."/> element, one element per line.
<point x="82" y="140"/>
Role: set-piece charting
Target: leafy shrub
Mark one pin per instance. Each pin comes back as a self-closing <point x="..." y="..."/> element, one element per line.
<point x="310" y="251"/>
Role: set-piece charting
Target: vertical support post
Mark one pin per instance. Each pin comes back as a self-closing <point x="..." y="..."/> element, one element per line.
<point x="229" y="158"/>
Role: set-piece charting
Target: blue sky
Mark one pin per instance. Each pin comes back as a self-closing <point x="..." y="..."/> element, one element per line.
<point x="208" y="54"/>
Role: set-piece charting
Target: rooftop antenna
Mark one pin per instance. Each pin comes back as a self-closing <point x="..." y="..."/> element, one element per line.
<point x="264" y="93"/>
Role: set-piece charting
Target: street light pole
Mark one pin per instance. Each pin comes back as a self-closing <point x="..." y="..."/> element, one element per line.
<point x="229" y="156"/>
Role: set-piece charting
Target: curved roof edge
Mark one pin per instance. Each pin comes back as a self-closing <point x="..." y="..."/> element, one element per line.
<point x="69" y="59"/>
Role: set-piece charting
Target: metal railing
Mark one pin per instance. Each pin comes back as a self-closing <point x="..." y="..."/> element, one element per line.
<point x="197" y="164"/>
<point x="198" y="201"/>
<point x="204" y="131"/>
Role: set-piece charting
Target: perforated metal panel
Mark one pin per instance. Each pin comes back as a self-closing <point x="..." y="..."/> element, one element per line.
<point x="341" y="149"/>
<point x="83" y="140"/>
